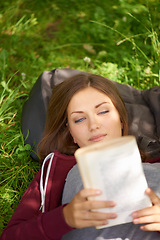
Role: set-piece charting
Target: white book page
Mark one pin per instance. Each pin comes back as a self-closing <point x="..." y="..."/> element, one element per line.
<point x="118" y="172"/>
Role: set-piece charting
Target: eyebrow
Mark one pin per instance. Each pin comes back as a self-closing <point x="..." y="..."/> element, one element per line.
<point x="101" y="104"/>
<point x="97" y="106"/>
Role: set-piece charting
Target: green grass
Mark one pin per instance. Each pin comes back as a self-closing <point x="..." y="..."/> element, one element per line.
<point x="119" y="38"/>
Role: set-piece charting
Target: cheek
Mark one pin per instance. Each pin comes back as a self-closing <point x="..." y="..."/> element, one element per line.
<point x="113" y="124"/>
<point x="79" y="135"/>
<point x="71" y="130"/>
<point x="75" y="131"/>
<point x="118" y="127"/>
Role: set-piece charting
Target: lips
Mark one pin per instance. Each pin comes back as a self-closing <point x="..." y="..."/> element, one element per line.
<point x="97" y="138"/>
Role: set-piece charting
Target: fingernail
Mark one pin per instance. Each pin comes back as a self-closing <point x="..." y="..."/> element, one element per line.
<point x="148" y="190"/>
<point x="114" y="215"/>
<point x="136" y="221"/>
<point x="105" y="222"/>
<point x="112" y="204"/>
<point x="98" y="192"/>
<point x="134" y="215"/>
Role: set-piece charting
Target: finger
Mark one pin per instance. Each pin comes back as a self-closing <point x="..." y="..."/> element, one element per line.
<point x="85" y="193"/>
<point x="92" y="205"/>
<point x="91" y="223"/>
<point x="151" y="227"/>
<point x="147" y="219"/>
<point x="92" y="215"/>
<point x="153" y="197"/>
<point x="154" y="210"/>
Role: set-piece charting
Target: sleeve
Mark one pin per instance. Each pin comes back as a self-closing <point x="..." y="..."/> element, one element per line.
<point x="28" y="222"/>
<point x="72" y="185"/>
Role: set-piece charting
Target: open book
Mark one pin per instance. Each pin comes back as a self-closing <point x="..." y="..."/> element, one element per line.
<point x="115" y="167"/>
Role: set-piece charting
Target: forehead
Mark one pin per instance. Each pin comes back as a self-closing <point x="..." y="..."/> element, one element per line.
<point x="86" y="98"/>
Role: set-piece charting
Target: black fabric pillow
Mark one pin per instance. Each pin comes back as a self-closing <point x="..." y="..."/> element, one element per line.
<point x="143" y="109"/>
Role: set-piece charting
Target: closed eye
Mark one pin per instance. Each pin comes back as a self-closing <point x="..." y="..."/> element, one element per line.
<point x="103" y="112"/>
<point x="79" y="120"/>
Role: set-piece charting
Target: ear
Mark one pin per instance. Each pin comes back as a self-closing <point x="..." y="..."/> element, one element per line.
<point x="74" y="140"/>
<point x="121" y="123"/>
<point x="122" y="126"/>
<point x="73" y="137"/>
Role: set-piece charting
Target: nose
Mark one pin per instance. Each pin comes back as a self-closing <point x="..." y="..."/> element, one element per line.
<point x="93" y="123"/>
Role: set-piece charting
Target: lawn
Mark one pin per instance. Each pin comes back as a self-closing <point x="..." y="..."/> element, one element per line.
<point x="115" y="39"/>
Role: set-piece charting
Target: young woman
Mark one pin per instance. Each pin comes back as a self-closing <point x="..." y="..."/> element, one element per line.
<point x="83" y="109"/>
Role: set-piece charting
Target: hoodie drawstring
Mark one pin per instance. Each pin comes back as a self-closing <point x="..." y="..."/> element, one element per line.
<point x="43" y="189"/>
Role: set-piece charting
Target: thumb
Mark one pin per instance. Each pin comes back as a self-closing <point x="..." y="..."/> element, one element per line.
<point x="153" y="197"/>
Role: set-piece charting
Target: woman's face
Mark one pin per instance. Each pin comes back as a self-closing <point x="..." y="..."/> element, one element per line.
<point x="92" y="117"/>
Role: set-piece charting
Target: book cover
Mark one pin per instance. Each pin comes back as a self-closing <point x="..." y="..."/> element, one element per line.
<point x="115" y="168"/>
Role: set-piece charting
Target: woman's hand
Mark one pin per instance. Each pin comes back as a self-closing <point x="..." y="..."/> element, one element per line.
<point x="78" y="212"/>
<point x="151" y="215"/>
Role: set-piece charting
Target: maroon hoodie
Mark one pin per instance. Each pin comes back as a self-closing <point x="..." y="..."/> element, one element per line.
<point x="28" y="222"/>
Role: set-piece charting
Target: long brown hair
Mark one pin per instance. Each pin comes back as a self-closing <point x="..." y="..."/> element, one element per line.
<point x="56" y="133"/>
